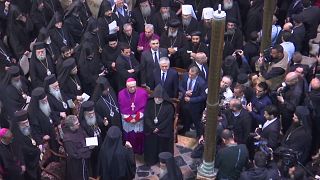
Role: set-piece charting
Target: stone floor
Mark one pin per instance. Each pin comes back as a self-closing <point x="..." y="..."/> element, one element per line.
<point x="182" y="152"/>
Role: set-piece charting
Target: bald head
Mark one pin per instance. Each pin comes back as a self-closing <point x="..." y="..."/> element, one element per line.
<point x="287" y="26"/>
<point x="315" y="84"/>
<point x="291" y="78"/>
<point x="201" y="58"/>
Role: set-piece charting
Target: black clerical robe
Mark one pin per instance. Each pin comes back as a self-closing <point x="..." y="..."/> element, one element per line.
<point x="15" y="98"/>
<point x="104" y="109"/>
<point x="40" y="70"/>
<point x="75" y="26"/>
<point x="132" y="41"/>
<point x="69" y="87"/>
<point x="139" y="20"/>
<point x="58" y="105"/>
<point x="61" y="37"/>
<point x="162" y="141"/>
<point x="124" y="64"/>
<point x="161" y="25"/>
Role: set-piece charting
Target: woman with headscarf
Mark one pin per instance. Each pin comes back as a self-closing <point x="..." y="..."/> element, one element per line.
<point x="116" y="161"/>
<point x="158" y="126"/>
<point x="90" y="66"/>
<point x="69" y="80"/>
<point x="60" y="34"/>
<point x="19" y="30"/>
<point x="106" y="104"/>
<point x="299" y="129"/>
<point x="73" y="21"/>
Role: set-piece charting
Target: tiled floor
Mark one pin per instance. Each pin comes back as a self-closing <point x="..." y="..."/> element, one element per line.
<point x="182" y="152"/>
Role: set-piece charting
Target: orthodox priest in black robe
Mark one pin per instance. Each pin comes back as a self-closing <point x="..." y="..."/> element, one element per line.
<point x="11" y="159"/>
<point x="158" y="126"/>
<point x="43" y="120"/>
<point x="131" y="37"/>
<point x="116" y="161"/>
<point x="69" y="81"/>
<point x="231" y="7"/>
<point x="31" y="152"/>
<point x="66" y="53"/>
<point x="60" y="35"/>
<point x="195" y="46"/>
<point x="78" y="164"/>
<point x="38" y="16"/>
<point x="4" y="117"/>
<point x="19" y="31"/>
<point x="41" y="65"/>
<point x="45" y="37"/>
<point x="169" y="170"/>
<point x="73" y="22"/>
<point x="106" y="104"/>
<point x="6" y="59"/>
<point x="175" y="41"/>
<point x="205" y="25"/>
<point x="142" y="15"/>
<point x="56" y="98"/>
<point x="161" y="19"/>
<point x="94" y="126"/>
<point x="233" y="39"/>
<point x="16" y="90"/>
<point x="106" y="17"/>
<point x="51" y="7"/>
<point x="90" y="66"/>
<point x="110" y="54"/>
<point x="189" y="22"/>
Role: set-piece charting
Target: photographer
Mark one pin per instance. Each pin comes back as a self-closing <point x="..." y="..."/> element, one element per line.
<point x="260" y="171"/>
<point x="274" y="71"/>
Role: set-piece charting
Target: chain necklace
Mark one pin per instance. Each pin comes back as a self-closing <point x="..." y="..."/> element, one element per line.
<point x="129" y="41"/>
<point x="156" y="114"/>
<point x="172" y="43"/>
<point x="46" y="67"/>
<point x="76" y="83"/>
<point x="3" y="53"/>
<point x="110" y="104"/>
<point x="62" y="36"/>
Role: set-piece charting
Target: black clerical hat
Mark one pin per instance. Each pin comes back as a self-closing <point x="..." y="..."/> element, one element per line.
<point x="229" y="60"/>
<point x="114" y="132"/>
<point x="164" y="156"/>
<point x="87" y="106"/>
<point x="69" y="63"/>
<point x="38" y="93"/>
<point x="50" y="79"/>
<point x="165" y="3"/>
<point x="112" y="37"/>
<point x="39" y="45"/>
<point x="103" y="81"/>
<point x="242" y="78"/>
<point x="232" y="20"/>
<point x="21" y="115"/>
<point x="159" y="92"/>
<point x="174" y="23"/>
<point x="195" y="33"/>
<point x="14" y="71"/>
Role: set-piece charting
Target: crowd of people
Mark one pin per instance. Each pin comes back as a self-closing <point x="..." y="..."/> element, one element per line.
<point x="106" y="87"/>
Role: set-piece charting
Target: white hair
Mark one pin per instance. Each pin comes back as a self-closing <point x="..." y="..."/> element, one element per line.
<point x="164" y="60"/>
<point x="149" y="26"/>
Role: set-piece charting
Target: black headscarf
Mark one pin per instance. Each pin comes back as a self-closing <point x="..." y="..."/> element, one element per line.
<point x="159" y="92"/>
<point x="67" y="67"/>
<point x="174" y="172"/>
<point x="43" y="35"/>
<point x="55" y="19"/>
<point x="105" y="6"/>
<point x="102" y="84"/>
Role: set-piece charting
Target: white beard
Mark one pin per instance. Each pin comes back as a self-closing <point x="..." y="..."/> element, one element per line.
<point x="163" y="172"/>
<point x="45" y="108"/>
<point x="186" y="22"/>
<point x="55" y="93"/>
<point x="171" y="34"/>
<point x="165" y="16"/>
<point x="227" y="5"/>
<point x="90" y="120"/>
<point x="17" y="85"/>
<point x="146" y="12"/>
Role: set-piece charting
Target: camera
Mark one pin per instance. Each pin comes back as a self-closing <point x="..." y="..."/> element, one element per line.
<point x="267" y="54"/>
<point x="282" y="89"/>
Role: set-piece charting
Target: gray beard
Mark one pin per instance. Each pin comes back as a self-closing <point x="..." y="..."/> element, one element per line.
<point x="90" y="120"/>
<point x="186" y="22"/>
<point x="163" y="172"/>
<point x="17" y="85"/>
<point x="227" y="6"/>
<point x="146" y="11"/>
<point x="25" y="131"/>
<point x="45" y="108"/>
<point x="55" y="93"/>
<point x="171" y="34"/>
<point x="165" y="16"/>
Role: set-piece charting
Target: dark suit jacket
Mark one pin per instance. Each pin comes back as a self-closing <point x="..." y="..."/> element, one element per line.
<point x="201" y="73"/>
<point x="148" y="65"/>
<point x="199" y="96"/>
<point x="271" y="134"/>
<point x="171" y="82"/>
<point x="122" y="66"/>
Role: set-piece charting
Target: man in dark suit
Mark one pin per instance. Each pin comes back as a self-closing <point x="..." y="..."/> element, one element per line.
<point x="150" y="61"/>
<point x="271" y="128"/>
<point x="126" y="65"/>
<point x="239" y="121"/>
<point x="167" y="77"/>
<point x="192" y="88"/>
<point x="201" y="61"/>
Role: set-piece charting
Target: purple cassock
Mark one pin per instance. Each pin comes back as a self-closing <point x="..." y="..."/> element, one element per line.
<point x="145" y="42"/>
<point x="132" y="109"/>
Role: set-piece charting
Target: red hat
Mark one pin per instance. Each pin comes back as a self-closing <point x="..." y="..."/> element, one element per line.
<point x="3" y="131"/>
<point x="131" y="82"/>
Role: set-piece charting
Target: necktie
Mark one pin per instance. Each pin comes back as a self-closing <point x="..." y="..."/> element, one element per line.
<point x="204" y="71"/>
<point x="190" y="84"/>
<point x="155" y="58"/>
<point x="163" y="78"/>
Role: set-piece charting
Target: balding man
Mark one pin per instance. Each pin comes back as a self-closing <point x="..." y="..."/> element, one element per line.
<point x="200" y="60"/>
<point x="313" y="99"/>
<point x="167" y="77"/>
<point x="289" y="96"/>
<point x="239" y="120"/>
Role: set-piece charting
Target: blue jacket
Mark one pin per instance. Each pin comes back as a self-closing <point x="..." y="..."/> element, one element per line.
<point x="258" y="105"/>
